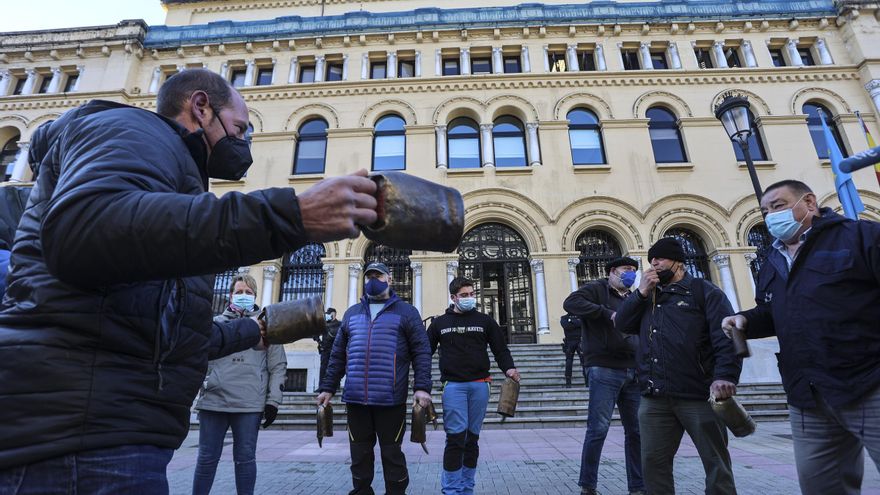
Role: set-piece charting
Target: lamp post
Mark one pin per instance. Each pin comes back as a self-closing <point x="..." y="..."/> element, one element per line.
<point x="733" y="112"/>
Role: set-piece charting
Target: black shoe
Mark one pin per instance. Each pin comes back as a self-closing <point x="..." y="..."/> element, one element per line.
<point x="589" y="491"/>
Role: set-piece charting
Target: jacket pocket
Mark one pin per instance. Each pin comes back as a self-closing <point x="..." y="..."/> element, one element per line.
<point x="829" y="262"/>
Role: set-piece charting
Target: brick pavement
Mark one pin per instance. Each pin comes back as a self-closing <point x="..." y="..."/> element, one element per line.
<point x="512" y="462"/>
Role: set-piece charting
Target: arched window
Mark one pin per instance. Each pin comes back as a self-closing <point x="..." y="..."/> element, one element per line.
<point x="222" y="284"/>
<point x="695" y="260"/>
<point x="814" y="124"/>
<point x="665" y="136"/>
<point x="585" y="136"/>
<point x="311" y="148"/>
<point x="762" y="241"/>
<point x="7" y="156"/>
<point x="756" y="144"/>
<point x="509" y="139"/>
<point x="302" y="273"/>
<point x="397" y="260"/>
<point x="597" y="248"/>
<point x="389" y="144"/>
<point x="464" y="144"/>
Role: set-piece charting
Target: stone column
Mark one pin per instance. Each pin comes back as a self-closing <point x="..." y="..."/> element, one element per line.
<point x="345" y="67"/>
<point x="546" y="58"/>
<point x="417" y="284"/>
<point x="465" y="60"/>
<point x="873" y="89"/>
<point x="526" y="63"/>
<point x="793" y="54"/>
<point x="391" y="65"/>
<point x="824" y="54"/>
<point x="328" y="284"/>
<point x="354" y="275"/>
<point x="5" y="82"/>
<point x="291" y="76"/>
<point x="600" y="58"/>
<point x="442" y="161"/>
<point x="723" y="262"/>
<point x="365" y="66"/>
<point x="543" y="322"/>
<point x="80" y="70"/>
<point x="571" y="58"/>
<point x="534" y="146"/>
<point x="718" y="51"/>
<point x="645" y="55"/>
<point x="750" y="258"/>
<point x="749" y="54"/>
<point x="224" y="70"/>
<point x="674" y="56"/>
<point x="269" y="273"/>
<point x="572" y="273"/>
<point x="21" y="163"/>
<point x="29" y="83"/>
<point x="451" y="273"/>
<point x="488" y="148"/>
<point x="55" y="83"/>
<point x="497" y="61"/>
<point x="418" y="64"/>
<point x="250" y="73"/>
<point x="438" y="63"/>
<point x="320" y="64"/>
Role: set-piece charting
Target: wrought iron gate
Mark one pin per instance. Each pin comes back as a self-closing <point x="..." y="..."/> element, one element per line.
<point x="760" y="238"/>
<point x="397" y="260"/>
<point x="597" y="248"/>
<point x="222" y="284"/>
<point x="302" y="273"/>
<point x="696" y="262"/>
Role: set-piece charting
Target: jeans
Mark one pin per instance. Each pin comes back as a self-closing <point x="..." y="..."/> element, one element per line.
<point x="663" y="421"/>
<point x="610" y="386"/>
<point x="212" y="432"/>
<point x="829" y="444"/>
<point x="464" y="408"/>
<point x="365" y="425"/>
<point x="130" y="469"/>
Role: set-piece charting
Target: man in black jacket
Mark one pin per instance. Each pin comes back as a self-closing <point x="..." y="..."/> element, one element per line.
<point x="571" y="345"/>
<point x="683" y="356"/>
<point x="819" y="293"/>
<point x="106" y="329"/>
<point x="462" y="334"/>
<point x="610" y="365"/>
<point x="325" y="340"/>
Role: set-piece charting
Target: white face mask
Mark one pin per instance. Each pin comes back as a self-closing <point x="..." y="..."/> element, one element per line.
<point x="782" y="224"/>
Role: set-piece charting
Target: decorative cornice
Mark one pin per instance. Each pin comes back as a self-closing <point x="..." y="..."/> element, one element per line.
<point x="489" y="17"/>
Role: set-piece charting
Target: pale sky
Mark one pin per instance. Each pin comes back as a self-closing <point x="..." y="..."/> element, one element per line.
<point x="29" y="15"/>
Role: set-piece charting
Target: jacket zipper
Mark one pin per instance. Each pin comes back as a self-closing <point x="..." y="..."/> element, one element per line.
<point x="367" y="365"/>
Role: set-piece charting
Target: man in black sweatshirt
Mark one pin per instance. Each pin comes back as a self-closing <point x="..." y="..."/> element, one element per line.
<point x="611" y="376"/>
<point x="462" y="334"/>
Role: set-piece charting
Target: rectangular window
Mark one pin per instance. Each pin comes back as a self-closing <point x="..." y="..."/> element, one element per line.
<point x="310" y="156"/>
<point x="586" y="147"/>
<point x="806" y="56"/>
<point x="481" y="65"/>
<point x="778" y="59"/>
<point x="19" y="86"/>
<point x="586" y="60"/>
<point x="704" y="58"/>
<point x="334" y="71"/>
<point x="732" y="57"/>
<point x="237" y="78"/>
<point x="557" y="61"/>
<point x="307" y="74"/>
<point x="71" y="82"/>
<point x="630" y="60"/>
<point x="451" y="67"/>
<point x="406" y="68"/>
<point x="264" y="76"/>
<point x="658" y="60"/>
<point x="512" y="65"/>
<point x="378" y="70"/>
<point x="44" y="84"/>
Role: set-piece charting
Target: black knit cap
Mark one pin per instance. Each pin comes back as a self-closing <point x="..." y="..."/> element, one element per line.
<point x="667" y="247"/>
<point x="623" y="261"/>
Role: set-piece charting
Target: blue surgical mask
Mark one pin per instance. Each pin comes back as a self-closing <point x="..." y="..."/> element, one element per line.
<point x="782" y="225"/>
<point x="375" y="287"/>
<point x="466" y="304"/>
<point x="628" y="279"/>
<point x="244" y="301"/>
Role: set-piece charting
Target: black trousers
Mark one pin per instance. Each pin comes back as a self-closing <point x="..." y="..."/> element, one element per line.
<point x="571" y="347"/>
<point x="325" y="360"/>
<point x="365" y="425"/>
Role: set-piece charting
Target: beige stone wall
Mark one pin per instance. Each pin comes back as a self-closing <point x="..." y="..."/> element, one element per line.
<point x="551" y="204"/>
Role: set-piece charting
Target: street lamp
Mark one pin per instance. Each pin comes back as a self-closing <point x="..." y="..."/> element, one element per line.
<point x="733" y="112"/>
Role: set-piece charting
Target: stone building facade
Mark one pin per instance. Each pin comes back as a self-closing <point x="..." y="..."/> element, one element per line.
<point x="575" y="131"/>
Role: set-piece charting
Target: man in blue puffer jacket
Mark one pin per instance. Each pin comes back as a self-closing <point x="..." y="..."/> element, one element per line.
<point x="378" y="339"/>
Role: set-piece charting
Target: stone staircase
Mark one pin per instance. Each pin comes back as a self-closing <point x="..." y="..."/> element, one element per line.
<point x="544" y="401"/>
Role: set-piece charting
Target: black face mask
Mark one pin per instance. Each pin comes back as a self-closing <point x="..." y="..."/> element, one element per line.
<point x="665" y="275"/>
<point x="230" y="156"/>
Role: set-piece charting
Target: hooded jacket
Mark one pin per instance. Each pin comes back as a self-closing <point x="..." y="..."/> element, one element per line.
<point x="374" y="354"/>
<point x="825" y="311"/>
<point x="245" y="381"/>
<point x="106" y="327"/>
